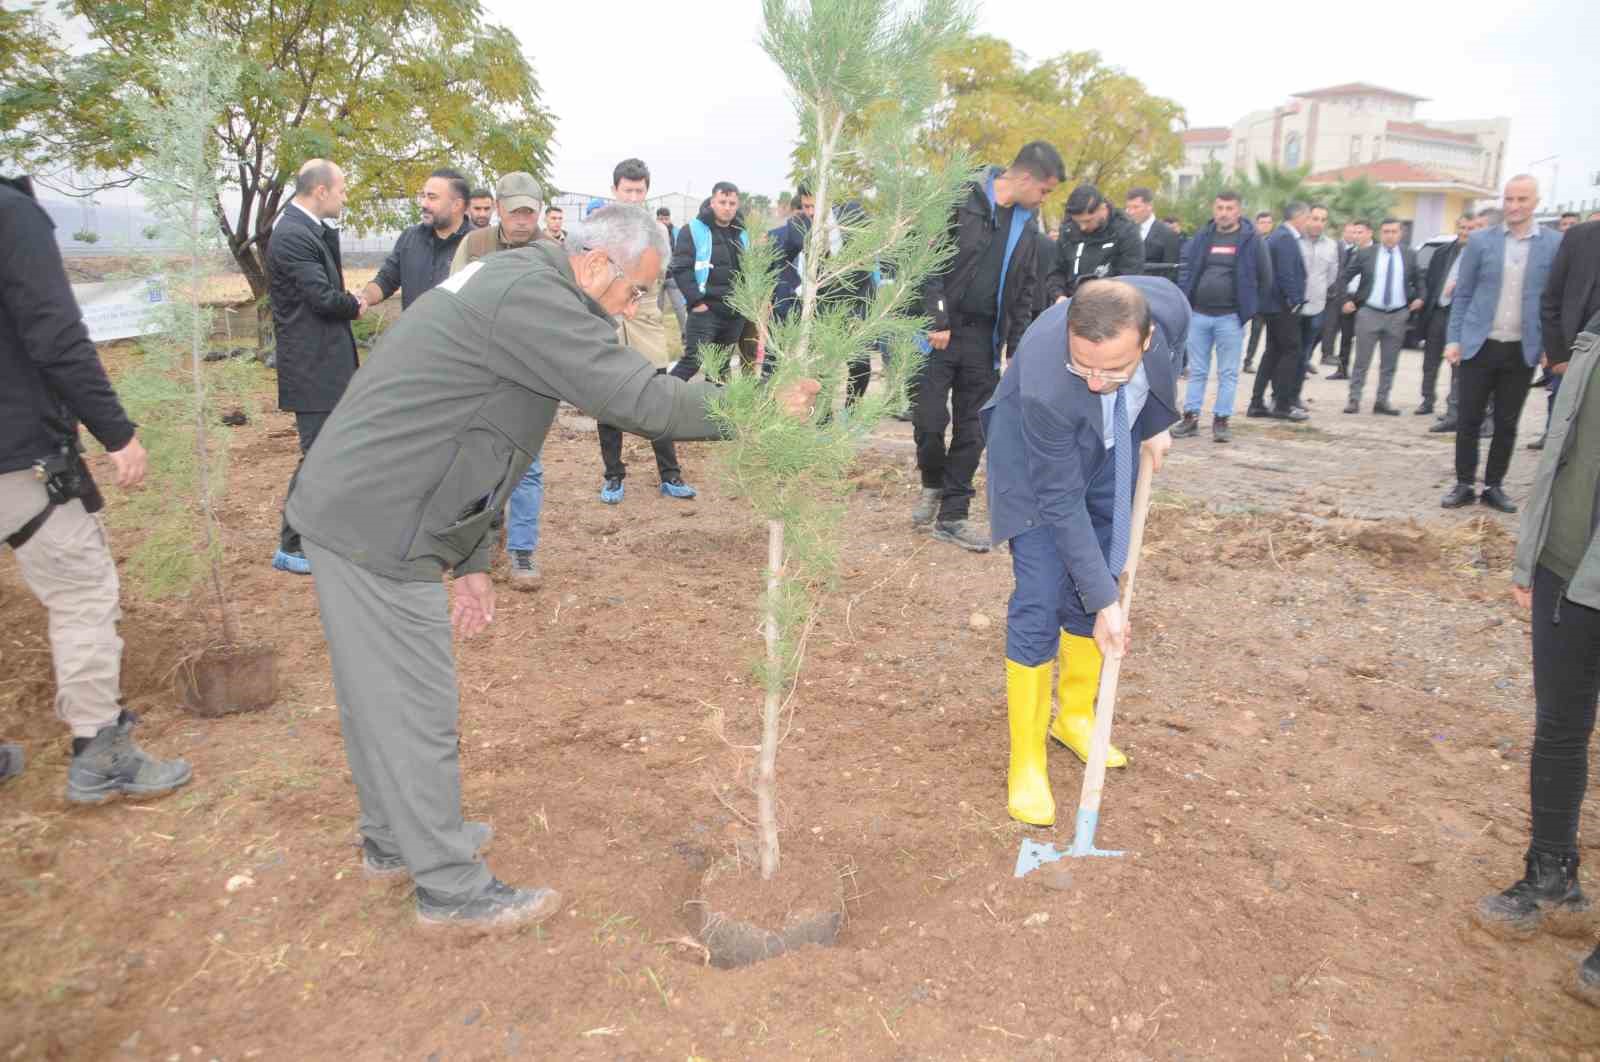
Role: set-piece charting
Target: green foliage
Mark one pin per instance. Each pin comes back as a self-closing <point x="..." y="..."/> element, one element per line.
<point x="389" y="89"/>
<point x="176" y="411"/>
<point x="151" y="232"/>
<point x="1111" y="131"/>
<point x="1273" y="187"/>
<point x="1356" y="200"/>
<point x="86" y="236"/>
<point x="861" y="76"/>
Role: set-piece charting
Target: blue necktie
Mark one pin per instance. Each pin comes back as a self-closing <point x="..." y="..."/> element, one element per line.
<point x="1390" y="302"/>
<point x="1122" y="463"/>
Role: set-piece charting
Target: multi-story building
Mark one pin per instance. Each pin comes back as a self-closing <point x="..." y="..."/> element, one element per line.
<point x="1436" y="169"/>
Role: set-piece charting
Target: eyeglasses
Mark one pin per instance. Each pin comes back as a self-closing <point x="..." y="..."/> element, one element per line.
<point x="1115" y="378"/>
<point x="635" y="292"/>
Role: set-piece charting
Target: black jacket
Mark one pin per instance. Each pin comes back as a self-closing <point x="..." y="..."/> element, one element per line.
<point x="311" y="314"/>
<point x="419" y="261"/>
<point x="1115" y="249"/>
<point x="726" y="252"/>
<point x="1361" y="265"/>
<point x="1438" y="271"/>
<point x="972" y="226"/>
<point x="1572" y="292"/>
<point x="1161" y="246"/>
<point x="1044" y="259"/>
<point x="1286" y="292"/>
<point x="50" y="373"/>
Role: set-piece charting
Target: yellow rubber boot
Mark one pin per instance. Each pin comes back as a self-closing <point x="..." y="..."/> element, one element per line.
<point x="1028" y="796"/>
<point x="1080" y="682"/>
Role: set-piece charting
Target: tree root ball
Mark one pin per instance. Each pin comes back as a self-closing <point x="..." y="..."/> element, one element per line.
<point x="744" y="920"/>
<point x="226" y="679"/>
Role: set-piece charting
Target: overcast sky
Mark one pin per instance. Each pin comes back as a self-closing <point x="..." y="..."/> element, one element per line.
<point x="696" y="98"/>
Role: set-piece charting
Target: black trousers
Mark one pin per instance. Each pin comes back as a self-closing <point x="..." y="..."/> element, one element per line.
<point x="1258" y="328"/>
<point x="715" y="326"/>
<point x="308" y="426"/>
<point x="860" y="377"/>
<point x="1433" y="354"/>
<point x="1337" y="323"/>
<point x="611" y="455"/>
<point x="1497" y="371"/>
<point x="1566" y="685"/>
<point x="963" y="376"/>
<point x="1280" y="365"/>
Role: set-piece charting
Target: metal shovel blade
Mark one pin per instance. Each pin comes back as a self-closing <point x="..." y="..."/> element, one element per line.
<point x="1035" y="855"/>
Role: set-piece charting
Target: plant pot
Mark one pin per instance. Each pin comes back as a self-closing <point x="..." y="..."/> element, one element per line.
<point x="743" y="920"/>
<point x="226" y="679"/>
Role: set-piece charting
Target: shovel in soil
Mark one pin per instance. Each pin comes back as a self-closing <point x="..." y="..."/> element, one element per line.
<point x="1033" y="854"/>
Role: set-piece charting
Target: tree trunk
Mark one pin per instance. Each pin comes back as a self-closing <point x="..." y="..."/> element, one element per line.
<point x="767" y="767"/>
<point x="230" y="626"/>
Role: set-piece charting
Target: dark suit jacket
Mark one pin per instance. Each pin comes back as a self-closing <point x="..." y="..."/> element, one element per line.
<point x="1045" y="436"/>
<point x="1572" y="294"/>
<point x="1288" y="288"/>
<point x="1438" y="271"/>
<point x="1336" y="290"/>
<point x="1161" y="246"/>
<point x="1362" y="265"/>
<point x="311" y="314"/>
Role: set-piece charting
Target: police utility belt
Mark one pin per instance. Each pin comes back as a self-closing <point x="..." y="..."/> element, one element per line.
<point x="65" y="477"/>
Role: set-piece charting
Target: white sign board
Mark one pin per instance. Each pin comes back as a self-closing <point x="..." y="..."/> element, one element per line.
<point x="119" y="309"/>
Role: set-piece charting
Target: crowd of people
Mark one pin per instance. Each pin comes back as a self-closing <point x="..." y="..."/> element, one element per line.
<point x="1062" y="354"/>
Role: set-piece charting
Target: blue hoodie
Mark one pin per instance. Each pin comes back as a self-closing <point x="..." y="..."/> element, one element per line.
<point x="1246" y="275"/>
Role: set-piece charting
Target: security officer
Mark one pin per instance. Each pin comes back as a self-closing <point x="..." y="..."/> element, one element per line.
<point x="50" y="380"/>
<point x="1074" y="405"/>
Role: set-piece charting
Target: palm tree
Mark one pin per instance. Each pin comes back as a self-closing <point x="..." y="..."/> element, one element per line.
<point x="1274" y="187"/>
<point x="1359" y="199"/>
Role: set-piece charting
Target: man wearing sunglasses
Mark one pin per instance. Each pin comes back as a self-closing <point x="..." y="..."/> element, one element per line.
<point x="404" y="484"/>
<point x="1093" y="381"/>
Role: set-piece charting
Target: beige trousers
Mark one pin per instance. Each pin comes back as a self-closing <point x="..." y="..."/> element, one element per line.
<point x="68" y="566"/>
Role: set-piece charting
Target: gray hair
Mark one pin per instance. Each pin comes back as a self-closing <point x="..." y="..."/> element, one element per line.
<point x="622" y="230"/>
<point x="1293" y="209"/>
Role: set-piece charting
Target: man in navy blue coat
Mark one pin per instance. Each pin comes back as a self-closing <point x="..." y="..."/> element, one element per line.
<point x="1281" y="365"/>
<point x="1093" y="380"/>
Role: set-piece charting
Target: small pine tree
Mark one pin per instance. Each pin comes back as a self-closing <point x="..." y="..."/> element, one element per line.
<point x="841" y="58"/>
<point x="198" y="75"/>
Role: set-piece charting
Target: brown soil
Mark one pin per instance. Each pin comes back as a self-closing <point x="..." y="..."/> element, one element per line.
<point x="1328" y="731"/>
<point x="742" y="919"/>
<point x="226" y="679"/>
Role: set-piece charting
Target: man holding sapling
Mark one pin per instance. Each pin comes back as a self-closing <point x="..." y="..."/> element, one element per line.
<point x="415" y="463"/>
<point x="1093" y="380"/>
<point x="980" y="304"/>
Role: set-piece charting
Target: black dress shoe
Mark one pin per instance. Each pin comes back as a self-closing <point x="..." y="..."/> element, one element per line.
<point x="1444" y="427"/>
<point x="1257" y="411"/>
<point x="1461" y="494"/>
<point x="1248" y="366"/>
<point x="1340" y="375"/>
<point x="1423" y="410"/>
<point x="1496" y="499"/>
<point x="1352" y="406"/>
<point x="1385" y="409"/>
<point x="1295" y="415"/>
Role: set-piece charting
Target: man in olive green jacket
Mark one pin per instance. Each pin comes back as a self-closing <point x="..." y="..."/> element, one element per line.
<point x="1557" y="576"/>
<point x="402" y="487"/>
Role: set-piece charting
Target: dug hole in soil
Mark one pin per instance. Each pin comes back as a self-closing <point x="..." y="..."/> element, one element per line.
<point x="227" y="679"/>
<point x="742" y="919"/>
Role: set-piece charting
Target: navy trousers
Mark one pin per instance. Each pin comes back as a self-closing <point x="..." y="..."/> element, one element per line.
<point x="1045" y="601"/>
